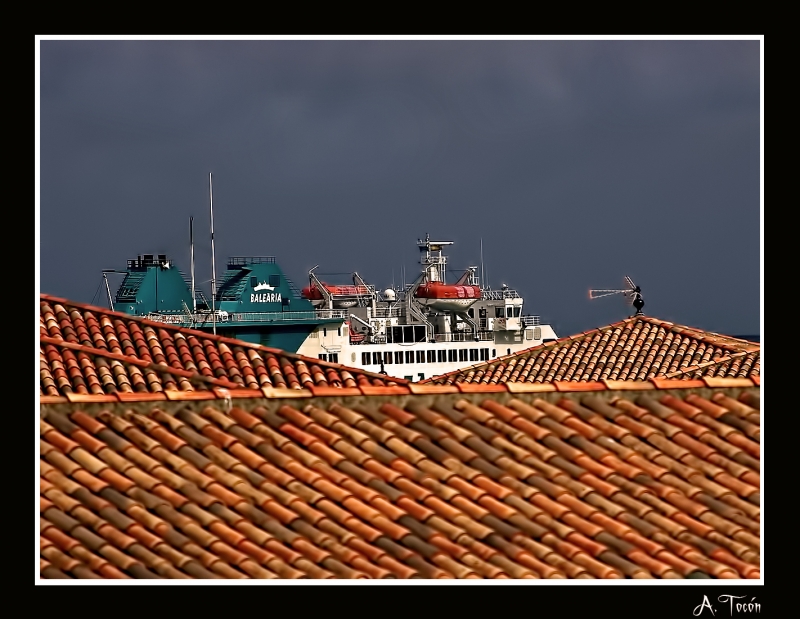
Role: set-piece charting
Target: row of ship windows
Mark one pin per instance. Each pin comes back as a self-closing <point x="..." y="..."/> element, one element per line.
<point x="418" y="356"/>
<point x="499" y="312"/>
<point x="427" y="356"/>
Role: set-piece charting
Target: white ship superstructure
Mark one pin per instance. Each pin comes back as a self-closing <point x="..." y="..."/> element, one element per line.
<point x="428" y="328"/>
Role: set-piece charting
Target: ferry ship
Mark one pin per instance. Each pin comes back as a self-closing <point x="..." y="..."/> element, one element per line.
<point x="427" y="328"/>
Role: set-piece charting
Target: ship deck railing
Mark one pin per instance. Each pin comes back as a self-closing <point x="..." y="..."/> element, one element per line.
<point x="465" y="336"/>
<point x="247" y="317"/>
<point x="276" y="316"/>
<point x="531" y="321"/>
<point x="236" y="261"/>
<point x="387" y="312"/>
<point x="498" y="295"/>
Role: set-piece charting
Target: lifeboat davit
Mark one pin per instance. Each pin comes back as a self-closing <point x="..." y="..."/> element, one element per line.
<point x="342" y="296"/>
<point x="447" y="297"/>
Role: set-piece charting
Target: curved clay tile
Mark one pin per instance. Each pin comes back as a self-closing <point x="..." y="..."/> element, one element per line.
<point x="648" y="484"/>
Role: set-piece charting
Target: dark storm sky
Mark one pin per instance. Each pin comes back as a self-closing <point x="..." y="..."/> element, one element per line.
<point x="576" y="162"/>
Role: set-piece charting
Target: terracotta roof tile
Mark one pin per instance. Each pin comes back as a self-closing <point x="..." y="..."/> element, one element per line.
<point x="636" y="349"/>
<point x="88" y="351"/>
<point x="621" y="481"/>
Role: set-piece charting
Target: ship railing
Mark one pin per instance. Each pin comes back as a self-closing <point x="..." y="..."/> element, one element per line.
<point x="483" y="336"/>
<point x="184" y="318"/>
<point x="330" y="313"/>
<point x="282" y="316"/>
<point x="531" y="321"/>
<point x="467" y="336"/>
<point x="207" y="318"/>
<point x="498" y="295"/>
<point x="171" y="319"/>
<point x="244" y="260"/>
<point x="388" y="312"/>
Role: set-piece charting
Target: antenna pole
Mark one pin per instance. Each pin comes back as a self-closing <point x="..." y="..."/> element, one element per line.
<point x="191" y="245"/>
<point x="108" y="290"/>
<point x="213" y="261"/>
<point x="482" y="276"/>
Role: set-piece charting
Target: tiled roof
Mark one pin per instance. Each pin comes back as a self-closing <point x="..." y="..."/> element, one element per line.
<point x="638" y="348"/>
<point x="619" y="480"/>
<point x="91" y="350"/>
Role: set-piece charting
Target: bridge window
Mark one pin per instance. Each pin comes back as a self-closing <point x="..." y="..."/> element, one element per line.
<point x="441" y="356"/>
<point x="364" y="358"/>
<point x="274" y="280"/>
<point x="517" y="311"/>
<point x="462" y="354"/>
<point x="431" y="356"/>
<point x="419" y="333"/>
<point x="451" y="355"/>
<point x="509" y="309"/>
<point x="409" y="356"/>
<point x="254" y="281"/>
<point x="408" y="333"/>
<point x="498" y="312"/>
<point x="398" y="356"/>
<point x="420" y="356"/>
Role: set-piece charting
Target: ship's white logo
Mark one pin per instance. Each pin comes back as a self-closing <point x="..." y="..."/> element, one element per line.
<point x="265" y="297"/>
<point x="263" y="286"/>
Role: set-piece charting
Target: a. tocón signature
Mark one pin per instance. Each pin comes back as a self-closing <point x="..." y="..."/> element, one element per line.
<point x="736" y="603"/>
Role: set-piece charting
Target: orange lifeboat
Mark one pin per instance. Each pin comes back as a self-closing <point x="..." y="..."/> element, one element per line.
<point x="355" y="336"/>
<point x="343" y="296"/>
<point x="447" y="297"/>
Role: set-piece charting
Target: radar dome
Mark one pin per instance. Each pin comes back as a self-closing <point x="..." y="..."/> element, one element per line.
<point x="389" y="294"/>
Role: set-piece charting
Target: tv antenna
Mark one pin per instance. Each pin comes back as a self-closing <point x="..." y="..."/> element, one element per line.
<point x="633" y="295"/>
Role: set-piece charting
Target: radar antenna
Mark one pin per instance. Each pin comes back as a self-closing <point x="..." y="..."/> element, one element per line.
<point x="632" y="294"/>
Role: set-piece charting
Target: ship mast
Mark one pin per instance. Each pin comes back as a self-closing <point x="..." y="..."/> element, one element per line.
<point x="213" y="261"/>
<point x="483" y="285"/>
<point x="433" y="263"/>
<point x="108" y="291"/>
<point x="191" y="244"/>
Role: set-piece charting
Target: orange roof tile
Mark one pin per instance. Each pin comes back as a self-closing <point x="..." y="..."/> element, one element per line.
<point x="639" y="348"/>
<point x="90" y="350"/>
<point x="616" y="482"/>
